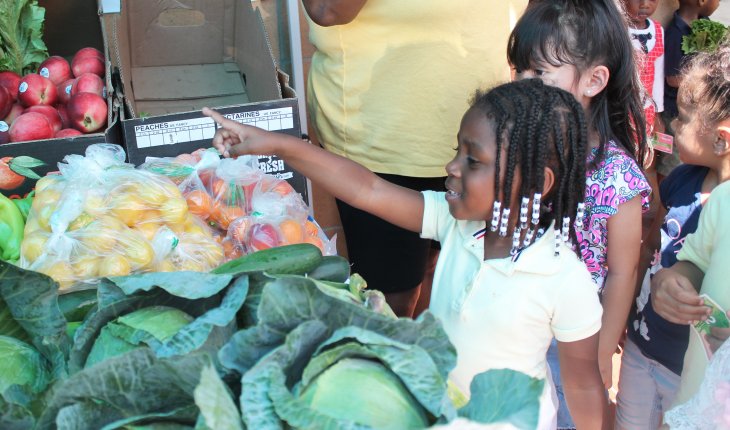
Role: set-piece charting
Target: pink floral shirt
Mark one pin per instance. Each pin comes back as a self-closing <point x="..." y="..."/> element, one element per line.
<point x="616" y="180"/>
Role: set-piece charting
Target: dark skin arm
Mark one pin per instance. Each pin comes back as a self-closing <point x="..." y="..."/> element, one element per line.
<point x="582" y="382"/>
<point x="333" y="12"/>
<point x="674" y="293"/>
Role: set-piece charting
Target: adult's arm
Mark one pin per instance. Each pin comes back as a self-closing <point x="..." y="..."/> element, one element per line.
<point x="333" y="12"/>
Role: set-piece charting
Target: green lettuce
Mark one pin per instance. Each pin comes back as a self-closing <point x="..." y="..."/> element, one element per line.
<point x="21" y="36"/>
<point x="705" y="36"/>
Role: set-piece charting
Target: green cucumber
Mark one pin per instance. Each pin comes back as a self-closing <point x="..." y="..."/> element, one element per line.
<point x="332" y="268"/>
<point x="288" y="259"/>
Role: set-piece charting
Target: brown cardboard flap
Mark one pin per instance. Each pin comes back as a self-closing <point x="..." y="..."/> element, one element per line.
<point x="253" y="54"/>
<point x="161" y="107"/>
<point x="170" y="32"/>
<point x="183" y="82"/>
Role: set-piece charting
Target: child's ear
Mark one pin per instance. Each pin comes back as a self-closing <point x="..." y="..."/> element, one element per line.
<point x="721" y="147"/>
<point x="597" y="79"/>
<point x="548" y="181"/>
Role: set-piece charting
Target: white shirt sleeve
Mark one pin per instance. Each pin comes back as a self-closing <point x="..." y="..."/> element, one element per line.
<point x="658" y="90"/>
<point x="578" y="310"/>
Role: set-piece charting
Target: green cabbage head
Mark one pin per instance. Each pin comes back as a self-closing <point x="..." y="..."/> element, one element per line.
<point x="134" y="329"/>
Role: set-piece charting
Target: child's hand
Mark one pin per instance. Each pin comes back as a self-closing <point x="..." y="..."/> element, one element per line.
<point x="233" y="138"/>
<point x="674" y="298"/>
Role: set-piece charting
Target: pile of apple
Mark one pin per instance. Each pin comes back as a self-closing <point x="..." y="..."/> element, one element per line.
<point x="61" y="100"/>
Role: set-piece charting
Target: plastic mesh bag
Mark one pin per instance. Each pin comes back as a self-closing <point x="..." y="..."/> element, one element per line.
<point x="99" y="217"/>
<point x="709" y="408"/>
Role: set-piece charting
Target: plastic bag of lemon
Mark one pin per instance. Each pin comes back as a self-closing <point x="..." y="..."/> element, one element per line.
<point x="102" y="217"/>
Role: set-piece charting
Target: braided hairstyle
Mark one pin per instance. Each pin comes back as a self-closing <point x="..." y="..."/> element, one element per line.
<point x="538" y="126"/>
<point x="585" y="33"/>
<point x="706" y="84"/>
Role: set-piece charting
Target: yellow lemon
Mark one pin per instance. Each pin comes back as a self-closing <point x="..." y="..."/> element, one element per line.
<point x="32" y="225"/>
<point x="61" y="272"/>
<point x="43" y="216"/>
<point x="81" y="221"/>
<point x="33" y="244"/>
<point x="164" y="266"/>
<point x="148" y="230"/>
<point x="47" y="198"/>
<point x="95" y="203"/>
<point x="87" y="267"/>
<point x="137" y="250"/>
<point x="129" y="209"/>
<point x="191" y="265"/>
<point x="46" y="182"/>
<point x="114" y="265"/>
<point x="100" y="236"/>
<point x="174" y="211"/>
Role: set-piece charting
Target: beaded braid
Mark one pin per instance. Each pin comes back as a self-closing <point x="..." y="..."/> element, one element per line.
<point x="542" y="126"/>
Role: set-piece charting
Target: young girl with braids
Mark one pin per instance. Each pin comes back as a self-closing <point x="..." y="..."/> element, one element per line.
<point x="583" y="47"/>
<point x="507" y="280"/>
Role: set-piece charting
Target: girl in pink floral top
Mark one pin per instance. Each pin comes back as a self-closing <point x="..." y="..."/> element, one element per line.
<point x="584" y="48"/>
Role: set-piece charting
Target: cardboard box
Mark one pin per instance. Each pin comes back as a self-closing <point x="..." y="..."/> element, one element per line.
<point x="174" y="58"/>
<point x="69" y="26"/>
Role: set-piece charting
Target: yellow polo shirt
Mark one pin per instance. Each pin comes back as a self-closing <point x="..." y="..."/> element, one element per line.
<point x="388" y="90"/>
<point x="501" y="313"/>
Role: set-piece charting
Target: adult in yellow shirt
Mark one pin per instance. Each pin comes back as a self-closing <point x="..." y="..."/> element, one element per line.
<point x="388" y="84"/>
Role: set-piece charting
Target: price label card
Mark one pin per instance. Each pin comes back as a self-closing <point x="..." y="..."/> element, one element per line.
<point x="662" y="142"/>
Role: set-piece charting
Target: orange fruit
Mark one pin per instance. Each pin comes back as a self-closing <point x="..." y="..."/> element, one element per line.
<point x="199" y="203"/>
<point x="187" y="159"/>
<point x="310" y="228"/>
<point x="314" y="240"/>
<point x="238" y="230"/>
<point x="291" y="231"/>
<point x="225" y="215"/>
<point x="282" y="188"/>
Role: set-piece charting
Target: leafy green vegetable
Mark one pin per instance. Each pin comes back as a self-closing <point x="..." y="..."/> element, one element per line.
<point x="504" y="396"/>
<point x="706" y="36"/>
<point x="365" y="392"/>
<point x="129" y="388"/>
<point x="21" y="31"/>
<point x="303" y="330"/>
<point x="211" y="301"/>
<point x="29" y="311"/>
<point x="131" y="330"/>
<point x="215" y="402"/>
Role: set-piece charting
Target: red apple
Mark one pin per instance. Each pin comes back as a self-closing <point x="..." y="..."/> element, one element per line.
<point x="63" y="113"/>
<point x="88" y="52"/>
<point x="87" y="112"/>
<point x="15" y="110"/>
<point x="51" y="114"/>
<point x="56" y="69"/>
<point x="4" y="135"/>
<point x="88" y="64"/>
<point x="64" y="90"/>
<point x="10" y="80"/>
<point x="88" y="83"/>
<point x="36" y="90"/>
<point x="30" y="126"/>
<point x="6" y="102"/>
<point x="263" y="236"/>
<point x="67" y="132"/>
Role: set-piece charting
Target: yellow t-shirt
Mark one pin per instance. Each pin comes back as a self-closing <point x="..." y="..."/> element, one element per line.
<point x="388" y="90"/>
<point x="709" y="249"/>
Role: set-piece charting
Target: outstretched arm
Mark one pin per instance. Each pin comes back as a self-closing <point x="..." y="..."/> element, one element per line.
<point x="333" y="12"/>
<point x="343" y="178"/>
